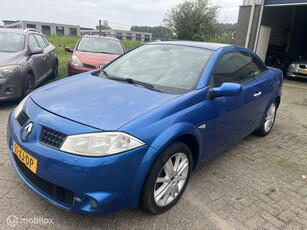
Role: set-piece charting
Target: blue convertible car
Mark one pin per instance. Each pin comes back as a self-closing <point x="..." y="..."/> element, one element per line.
<point x="131" y="133"/>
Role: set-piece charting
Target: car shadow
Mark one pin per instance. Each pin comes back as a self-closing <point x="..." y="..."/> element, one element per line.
<point x="8" y="105"/>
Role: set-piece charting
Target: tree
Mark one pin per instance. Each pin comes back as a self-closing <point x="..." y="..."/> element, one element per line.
<point x="158" y="32"/>
<point x="192" y="20"/>
<point x="103" y="27"/>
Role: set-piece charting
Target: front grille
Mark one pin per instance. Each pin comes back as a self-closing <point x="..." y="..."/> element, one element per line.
<point x="89" y="66"/>
<point x="61" y="194"/>
<point x="22" y="118"/>
<point x="51" y="137"/>
<point x="303" y="66"/>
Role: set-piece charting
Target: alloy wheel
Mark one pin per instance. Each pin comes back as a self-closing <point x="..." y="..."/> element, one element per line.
<point x="270" y="117"/>
<point x="171" y="179"/>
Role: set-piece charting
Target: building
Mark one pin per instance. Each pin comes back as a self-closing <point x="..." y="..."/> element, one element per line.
<point x="119" y="34"/>
<point x="273" y="23"/>
<point x="45" y="27"/>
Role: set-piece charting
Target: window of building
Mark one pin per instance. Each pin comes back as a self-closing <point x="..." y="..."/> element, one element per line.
<point x="147" y="38"/>
<point x="73" y="31"/>
<point x="129" y="36"/>
<point x="60" y="30"/>
<point x="32" y="26"/>
<point x="237" y="67"/>
<point x="46" y="29"/>
<point x="32" y="42"/>
<point x="40" y="41"/>
<point x="138" y="37"/>
<point x="119" y="35"/>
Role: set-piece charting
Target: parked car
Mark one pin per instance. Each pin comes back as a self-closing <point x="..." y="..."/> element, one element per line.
<point x="26" y="59"/>
<point x="298" y="68"/>
<point x="132" y="132"/>
<point x="92" y="52"/>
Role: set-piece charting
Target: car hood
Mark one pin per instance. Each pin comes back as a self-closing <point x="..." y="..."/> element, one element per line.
<point x="7" y="58"/>
<point x="98" y="102"/>
<point x="95" y="59"/>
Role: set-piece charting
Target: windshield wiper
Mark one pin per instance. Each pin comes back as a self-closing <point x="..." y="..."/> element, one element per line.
<point x="131" y="81"/>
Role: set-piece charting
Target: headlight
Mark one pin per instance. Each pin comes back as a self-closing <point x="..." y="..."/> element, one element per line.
<point x="20" y="107"/>
<point x="75" y="61"/>
<point x="293" y="65"/>
<point x="100" y="144"/>
<point x="7" y="70"/>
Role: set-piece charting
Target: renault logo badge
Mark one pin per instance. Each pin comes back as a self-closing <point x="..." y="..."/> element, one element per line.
<point x="101" y="66"/>
<point x="27" y="130"/>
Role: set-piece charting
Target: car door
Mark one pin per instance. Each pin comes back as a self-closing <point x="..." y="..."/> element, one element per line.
<point x="231" y="117"/>
<point x="47" y="54"/>
<point x="37" y="60"/>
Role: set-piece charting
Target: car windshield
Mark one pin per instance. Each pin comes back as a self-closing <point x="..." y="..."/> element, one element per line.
<point x="100" y="45"/>
<point x="172" y="69"/>
<point x="11" y="42"/>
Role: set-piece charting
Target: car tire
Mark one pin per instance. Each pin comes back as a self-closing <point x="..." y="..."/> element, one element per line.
<point x="28" y="85"/>
<point x="167" y="178"/>
<point x="268" y="122"/>
<point x="55" y="70"/>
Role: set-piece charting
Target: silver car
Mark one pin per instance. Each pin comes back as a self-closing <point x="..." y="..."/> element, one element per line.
<point x="26" y="59"/>
<point x="298" y="69"/>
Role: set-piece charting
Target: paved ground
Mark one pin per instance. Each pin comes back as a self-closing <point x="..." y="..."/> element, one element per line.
<point x="256" y="184"/>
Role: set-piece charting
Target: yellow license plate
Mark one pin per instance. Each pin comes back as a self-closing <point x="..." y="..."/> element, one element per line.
<point x="25" y="158"/>
<point x="303" y="71"/>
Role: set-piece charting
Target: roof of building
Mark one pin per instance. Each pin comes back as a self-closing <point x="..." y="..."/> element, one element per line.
<point x="204" y="45"/>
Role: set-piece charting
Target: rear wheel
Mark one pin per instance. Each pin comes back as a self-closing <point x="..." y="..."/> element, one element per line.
<point x="167" y="178"/>
<point x="28" y="85"/>
<point x="55" y="70"/>
<point x="269" y="120"/>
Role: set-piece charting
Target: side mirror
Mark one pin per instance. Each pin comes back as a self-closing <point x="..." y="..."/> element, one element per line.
<point x="37" y="50"/>
<point x="69" y="49"/>
<point x="106" y="63"/>
<point x="227" y="89"/>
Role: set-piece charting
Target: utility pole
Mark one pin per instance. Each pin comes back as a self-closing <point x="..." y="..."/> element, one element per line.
<point x="99" y="28"/>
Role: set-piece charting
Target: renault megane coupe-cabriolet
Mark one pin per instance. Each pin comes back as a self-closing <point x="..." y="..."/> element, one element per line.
<point x="131" y="133"/>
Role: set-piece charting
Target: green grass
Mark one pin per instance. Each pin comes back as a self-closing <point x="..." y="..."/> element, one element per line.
<point x="60" y="42"/>
<point x="270" y="191"/>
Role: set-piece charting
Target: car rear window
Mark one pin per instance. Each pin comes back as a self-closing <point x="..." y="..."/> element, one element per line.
<point x="11" y="42"/>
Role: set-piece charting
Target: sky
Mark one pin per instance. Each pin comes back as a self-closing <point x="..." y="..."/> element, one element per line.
<point x="121" y="14"/>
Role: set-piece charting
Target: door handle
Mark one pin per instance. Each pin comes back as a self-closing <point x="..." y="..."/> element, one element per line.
<point x="257" y="94"/>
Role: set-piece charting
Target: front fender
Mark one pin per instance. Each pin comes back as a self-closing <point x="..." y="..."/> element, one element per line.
<point x="175" y="131"/>
<point x="166" y="137"/>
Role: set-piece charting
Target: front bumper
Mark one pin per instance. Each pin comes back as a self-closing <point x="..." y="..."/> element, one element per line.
<point x="295" y="72"/>
<point x="73" y="70"/>
<point x="113" y="182"/>
<point x="11" y="86"/>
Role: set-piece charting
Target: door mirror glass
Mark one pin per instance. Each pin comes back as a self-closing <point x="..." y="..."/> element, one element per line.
<point x="37" y="50"/>
<point x="227" y="89"/>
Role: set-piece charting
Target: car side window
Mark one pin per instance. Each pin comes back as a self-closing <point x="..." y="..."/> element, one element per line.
<point x="32" y="42"/>
<point x="46" y="41"/>
<point x="237" y="67"/>
<point x="40" y="41"/>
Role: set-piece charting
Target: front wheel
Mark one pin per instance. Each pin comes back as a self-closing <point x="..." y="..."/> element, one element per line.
<point x="269" y="120"/>
<point x="167" y="178"/>
<point x="28" y="85"/>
